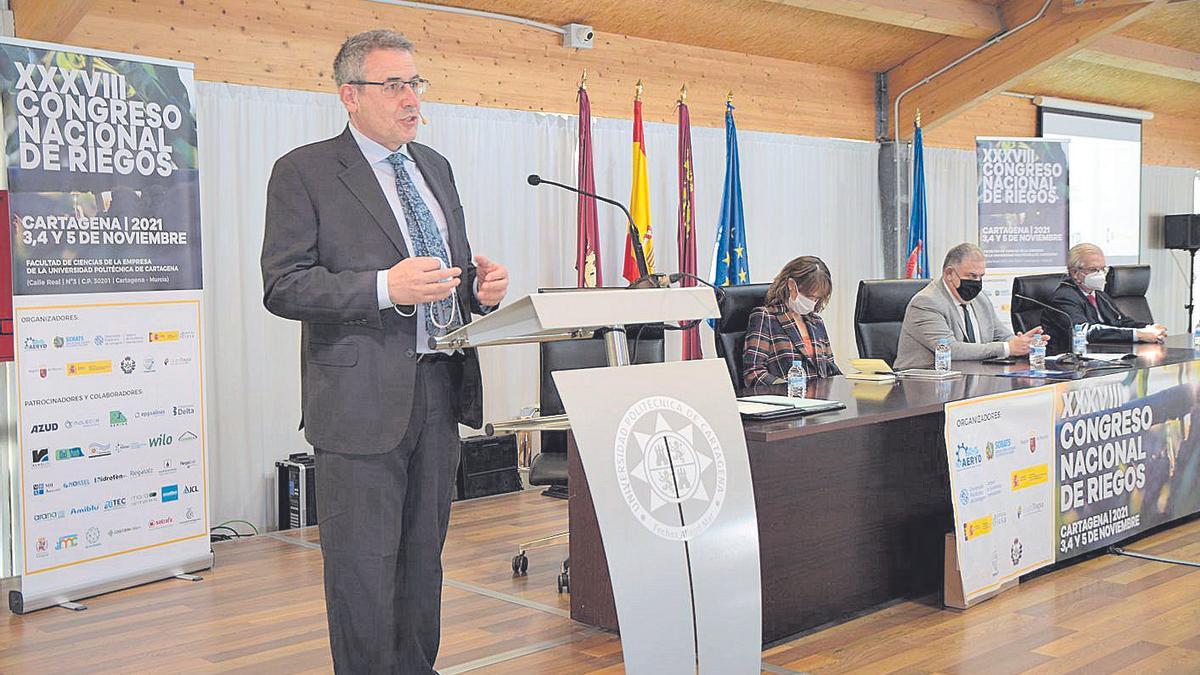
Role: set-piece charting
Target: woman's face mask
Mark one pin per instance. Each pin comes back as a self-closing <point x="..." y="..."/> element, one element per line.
<point x="799" y="303"/>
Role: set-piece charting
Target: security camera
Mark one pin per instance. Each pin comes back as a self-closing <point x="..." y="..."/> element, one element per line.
<point x="578" y="36"/>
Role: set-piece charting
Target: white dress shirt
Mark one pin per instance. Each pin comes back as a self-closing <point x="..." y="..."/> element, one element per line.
<point x="377" y="157"/>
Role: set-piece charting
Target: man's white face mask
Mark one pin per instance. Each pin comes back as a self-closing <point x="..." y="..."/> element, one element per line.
<point x="1094" y="281"/>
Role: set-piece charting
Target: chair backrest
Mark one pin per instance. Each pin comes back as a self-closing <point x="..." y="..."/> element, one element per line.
<point x="735" y="306"/>
<point x="1127" y="285"/>
<point x="879" y="314"/>
<point x="1026" y="315"/>
<point x="575" y="354"/>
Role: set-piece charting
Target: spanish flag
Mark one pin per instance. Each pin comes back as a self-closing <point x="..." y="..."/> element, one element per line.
<point x="639" y="198"/>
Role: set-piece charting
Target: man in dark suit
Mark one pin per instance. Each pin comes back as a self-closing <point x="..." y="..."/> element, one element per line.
<point x="1081" y="296"/>
<point x="366" y="245"/>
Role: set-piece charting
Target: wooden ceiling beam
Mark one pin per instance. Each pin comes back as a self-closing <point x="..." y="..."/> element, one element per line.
<point x="960" y="18"/>
<point x="1125" y="53"/>
<point x="1057" y="35"/>
<point x="48" y="20"/>
<point x="1071" y="6"/>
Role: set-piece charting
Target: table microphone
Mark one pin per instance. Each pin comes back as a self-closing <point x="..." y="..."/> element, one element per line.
<point x="639" y="254"/>
<point x="1066" y="358"/>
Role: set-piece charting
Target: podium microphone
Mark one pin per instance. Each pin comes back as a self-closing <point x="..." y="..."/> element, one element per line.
<point x="639" y="254"/>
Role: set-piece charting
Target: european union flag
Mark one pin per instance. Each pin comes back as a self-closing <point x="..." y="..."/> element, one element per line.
<point x="731" y="260"/>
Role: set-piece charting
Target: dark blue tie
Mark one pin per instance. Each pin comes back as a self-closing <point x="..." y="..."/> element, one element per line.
<point x="426" y="242"/>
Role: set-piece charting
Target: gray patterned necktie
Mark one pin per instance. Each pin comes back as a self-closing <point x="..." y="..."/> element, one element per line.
<point x="426" y="242"/>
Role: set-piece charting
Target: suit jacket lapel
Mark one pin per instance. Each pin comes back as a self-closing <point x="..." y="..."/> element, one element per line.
<point x="956" y="324"/>
<point x="439" y="182"/>
<point x="360" y="179"/>
<point x="1093" y="311"/>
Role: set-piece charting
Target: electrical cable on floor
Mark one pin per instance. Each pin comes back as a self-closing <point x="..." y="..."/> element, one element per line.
<point x="215" y="536"/>
<point x="1117" y="550"/>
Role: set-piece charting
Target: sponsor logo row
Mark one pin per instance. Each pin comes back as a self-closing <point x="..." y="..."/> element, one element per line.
<point x="33" y="344"/>
<point x="42" y="457"/>
<point x="127" y="365"/>
<point x="94" y="537"/>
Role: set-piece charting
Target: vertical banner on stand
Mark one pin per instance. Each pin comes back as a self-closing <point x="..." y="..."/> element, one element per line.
<point x="1023" y="215"/>
<point x="106" y="269"/>
<point x="1001" y="458"/>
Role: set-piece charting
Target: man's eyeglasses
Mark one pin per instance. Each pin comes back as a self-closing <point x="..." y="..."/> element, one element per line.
<point x="392" y="87"/>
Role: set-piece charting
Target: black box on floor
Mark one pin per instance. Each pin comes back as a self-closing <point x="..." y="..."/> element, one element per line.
<point x="297" y="485"/>
<point x="488" y="466"/>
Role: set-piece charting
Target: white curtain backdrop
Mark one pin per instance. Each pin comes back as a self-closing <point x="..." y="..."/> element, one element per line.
<point x="802" y="195"/>
<point x="1166" y="190"/>
<point x="950" y="201"/>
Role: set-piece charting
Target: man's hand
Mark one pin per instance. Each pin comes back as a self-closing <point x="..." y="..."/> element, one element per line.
<point x="1153" y="333"/>
<point x="1018" y="345"/>
<point x="415" y="280"/>
<point x="492" y="281"/>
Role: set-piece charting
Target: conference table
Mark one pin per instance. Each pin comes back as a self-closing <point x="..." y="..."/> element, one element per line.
<point x="853" y="505"/>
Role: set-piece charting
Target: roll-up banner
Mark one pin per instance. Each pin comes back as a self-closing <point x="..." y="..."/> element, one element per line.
<point x="1023" y="214"/>
<point x="105" y="249"/>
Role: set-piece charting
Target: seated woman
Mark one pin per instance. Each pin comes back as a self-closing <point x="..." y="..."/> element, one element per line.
<point x="788" y="326"/>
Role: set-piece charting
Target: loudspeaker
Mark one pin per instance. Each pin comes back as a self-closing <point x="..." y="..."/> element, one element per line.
<point x="487" y="466"/>
<point x="1182" y="231"/>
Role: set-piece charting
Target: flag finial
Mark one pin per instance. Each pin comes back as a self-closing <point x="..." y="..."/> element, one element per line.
<point x="918" y="120"/>
<point x="729" y="97"/>
<point x="683" y="93"/>
<point x="638" y="95"/>
<point x="583" y="80"/>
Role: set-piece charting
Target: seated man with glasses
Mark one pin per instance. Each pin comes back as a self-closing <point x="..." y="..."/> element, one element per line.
<point x="1081" y="296"/>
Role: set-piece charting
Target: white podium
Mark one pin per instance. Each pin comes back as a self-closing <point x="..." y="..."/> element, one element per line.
<point x="664" y="453"/>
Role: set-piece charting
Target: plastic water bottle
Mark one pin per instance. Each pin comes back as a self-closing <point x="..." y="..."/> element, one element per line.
<point x="797" y="380"/>
<point x="941" y="355"/>
<point x="1196" y="337"/>
<point x="1079" y="340"/>
<point x="1037" y="353"/>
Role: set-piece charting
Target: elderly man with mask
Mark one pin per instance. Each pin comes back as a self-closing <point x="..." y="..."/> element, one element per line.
<point x="1082" y="298"/>
<point x="952" y="307"/>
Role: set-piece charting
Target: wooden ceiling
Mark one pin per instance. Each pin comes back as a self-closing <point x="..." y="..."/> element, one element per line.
<point x="777" y="29"/>
<point x="1143" y="57"/>
<point x="1135" y="53"/>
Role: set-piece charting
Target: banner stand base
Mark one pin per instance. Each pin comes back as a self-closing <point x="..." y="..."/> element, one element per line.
<point x="19" y="603"/>
<point x="952" y="586"/>
<point x="73" y="606"/>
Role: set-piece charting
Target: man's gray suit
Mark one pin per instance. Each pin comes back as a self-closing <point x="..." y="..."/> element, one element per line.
<point x="382" y="417"/>
<point x="933" y="314"/>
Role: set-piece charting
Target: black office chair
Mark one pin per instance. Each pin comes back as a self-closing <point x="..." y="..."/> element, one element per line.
<point x="1026" y="315"/>
<point x="879" y="314"/>
<point x="550" y="466"/>
<point x="735" y="306"/>
<point x="1127" y="286"/>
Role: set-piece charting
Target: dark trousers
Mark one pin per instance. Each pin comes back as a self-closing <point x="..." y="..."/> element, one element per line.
<point x="383" y="520"/>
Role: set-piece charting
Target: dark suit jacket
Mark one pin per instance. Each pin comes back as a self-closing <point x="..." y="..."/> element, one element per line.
<point x="1103" y="323"/>
<point x="329" y="230"/>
